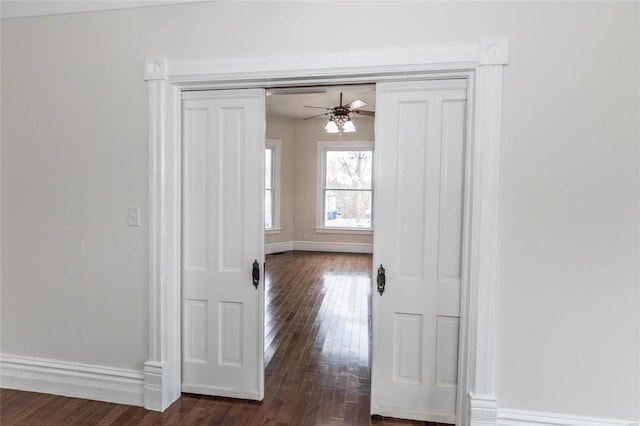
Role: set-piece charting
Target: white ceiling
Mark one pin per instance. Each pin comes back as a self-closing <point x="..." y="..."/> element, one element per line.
<point x="291" y="102"/>
<point x="26" y="8"/>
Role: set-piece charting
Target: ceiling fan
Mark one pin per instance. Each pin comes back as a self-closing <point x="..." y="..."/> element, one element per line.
<point x="340" y="116"/>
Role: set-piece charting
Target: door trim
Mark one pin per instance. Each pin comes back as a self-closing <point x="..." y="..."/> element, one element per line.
<point x="482" y="63"/>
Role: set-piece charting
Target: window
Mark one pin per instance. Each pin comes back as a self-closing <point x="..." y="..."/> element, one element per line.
<point x="272" y="186"/>
<point x="346" y="186"/>
<point x="268" y="188"/>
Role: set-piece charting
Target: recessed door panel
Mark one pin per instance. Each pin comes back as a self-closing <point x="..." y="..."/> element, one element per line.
<point x="407" y="348"/>
<point x="452" y="191"/>
<point x="196" y="318"/>
<point x="412" y="131"/>
<point x="231" y="203"/>
<point x="230" y="334"/>
<point x="448" y="329"/>
<point x="195" y="196"/>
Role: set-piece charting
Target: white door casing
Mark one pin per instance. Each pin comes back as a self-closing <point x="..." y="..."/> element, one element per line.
<point x="222" y="236"/>
<point x="418" y="211"/>
<point x="481" y="62"/>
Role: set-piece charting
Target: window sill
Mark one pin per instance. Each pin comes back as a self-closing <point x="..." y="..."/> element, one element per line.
<point x="352" y="231"/>
<point x="272" y="231"/>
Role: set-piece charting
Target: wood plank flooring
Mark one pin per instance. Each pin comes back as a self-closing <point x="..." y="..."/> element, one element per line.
<point x="316" y="355"/>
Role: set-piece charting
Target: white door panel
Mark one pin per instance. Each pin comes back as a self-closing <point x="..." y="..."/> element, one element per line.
<point x="418" y="235"/>
<point x="223" y="173"/>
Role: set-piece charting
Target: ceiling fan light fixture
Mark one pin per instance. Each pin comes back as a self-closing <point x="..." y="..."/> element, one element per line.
<point x="340" y="116"/>
<point x="348" y="126"/>
<point x="340" y="120"/>
<point x="331" y="126"/>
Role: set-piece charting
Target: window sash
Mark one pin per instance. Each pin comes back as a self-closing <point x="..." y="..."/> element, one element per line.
<point x="366" y="183"/>
<point x="268" y="208"/>
<point x="269" y="199"/>
<point x="361" y="224"/>
<point x="269" y="169"/>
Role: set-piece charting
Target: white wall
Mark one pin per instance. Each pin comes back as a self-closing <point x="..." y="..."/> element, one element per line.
<point x="284" y="130"/>
<point x="299" y="177"/>
<point x="569" y="248"/>
<point x="74" y="156"/>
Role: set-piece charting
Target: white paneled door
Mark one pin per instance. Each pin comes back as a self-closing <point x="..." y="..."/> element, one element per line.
<point x="418" y="213"/>
<point x="222" y="239"/>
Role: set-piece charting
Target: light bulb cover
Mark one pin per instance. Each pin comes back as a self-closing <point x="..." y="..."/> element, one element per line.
<point x="331" y="126"/>
<point x="348" y="127"/>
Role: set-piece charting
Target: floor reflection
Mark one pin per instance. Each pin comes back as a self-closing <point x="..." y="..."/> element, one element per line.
<point x="317" y="327"/>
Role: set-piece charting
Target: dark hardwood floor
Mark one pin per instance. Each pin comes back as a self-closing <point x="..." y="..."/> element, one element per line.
<point x="316" y="356"/>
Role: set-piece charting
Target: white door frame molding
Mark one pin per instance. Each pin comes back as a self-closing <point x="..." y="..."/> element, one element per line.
<point x="481" y="62"/>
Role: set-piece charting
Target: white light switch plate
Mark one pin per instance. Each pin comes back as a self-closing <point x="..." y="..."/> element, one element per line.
<point x="134" y="216"/>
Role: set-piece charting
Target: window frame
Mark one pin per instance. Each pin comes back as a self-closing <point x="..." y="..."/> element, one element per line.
<point x="340" y="145"/>
<point x="275" y="145"/>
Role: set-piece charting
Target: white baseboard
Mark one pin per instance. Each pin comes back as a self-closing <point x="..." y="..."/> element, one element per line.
<point x="508" y="417"/>
<point x="318" y="246"/>
<point x="278" y="247"/>
<point x="124" y="386"/>
<point x="333" y="247"/>
<point x="72" y="379"/>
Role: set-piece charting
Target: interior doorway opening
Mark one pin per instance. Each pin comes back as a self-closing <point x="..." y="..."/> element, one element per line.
<point x="318" y="300"/>
<point x="412" y="333"/>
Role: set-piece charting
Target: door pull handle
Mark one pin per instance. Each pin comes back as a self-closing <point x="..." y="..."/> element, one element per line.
<point x="256" y="273"/>
<point x="382" y="279"/>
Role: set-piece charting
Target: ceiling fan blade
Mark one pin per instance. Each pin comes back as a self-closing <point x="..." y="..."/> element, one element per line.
<point x="308" y="106"/>
<point x="356" y="104"/>
<point x="365" y="113"/>
<point x="314" y="116"/>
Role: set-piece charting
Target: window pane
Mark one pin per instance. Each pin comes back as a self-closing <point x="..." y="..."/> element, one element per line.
<point x="268" y="209"/>
<point x="268" y="168"/>
<point x="347" y="209"/>
<point x="348" y="169"/>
